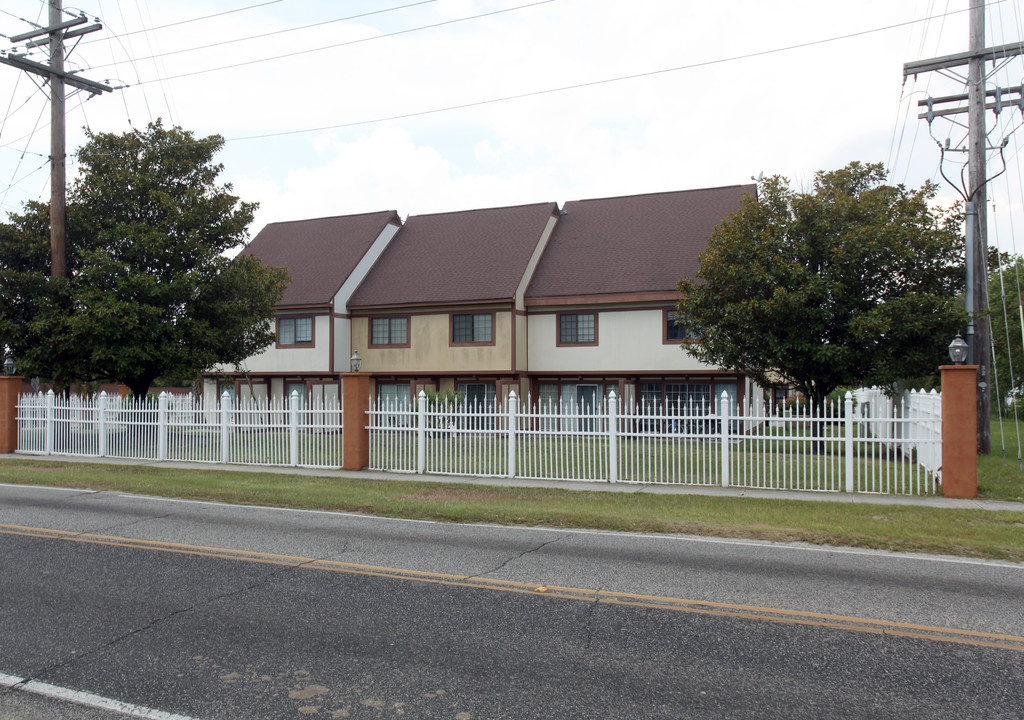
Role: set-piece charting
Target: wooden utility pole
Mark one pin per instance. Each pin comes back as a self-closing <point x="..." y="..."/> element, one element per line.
<point x="56" y="33"/>
<point x="58" y="166"/>
<point x="974" y="194"/>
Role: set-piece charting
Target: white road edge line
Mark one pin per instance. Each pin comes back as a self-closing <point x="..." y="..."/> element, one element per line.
<point x="80" y="491"/>
<point x="88" y="699"/>
<point x="696" y="539"/>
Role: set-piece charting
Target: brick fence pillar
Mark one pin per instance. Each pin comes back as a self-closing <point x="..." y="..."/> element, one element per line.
<point x="10" y="388"/>
<point x="355" y="392"/>
<point x="959" y="431"/>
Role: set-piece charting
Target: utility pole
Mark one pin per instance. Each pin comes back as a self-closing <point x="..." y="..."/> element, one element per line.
<point x="974" y="194"/>
<point x="58" y="165"/>
<point x="57" y="31"/>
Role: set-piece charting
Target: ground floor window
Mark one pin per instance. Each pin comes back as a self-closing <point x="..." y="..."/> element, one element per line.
<point x="688" y="396"/>
<point x="394" y="401"/>
<point x="478" y="395"/>
<point x="295" y="387"/>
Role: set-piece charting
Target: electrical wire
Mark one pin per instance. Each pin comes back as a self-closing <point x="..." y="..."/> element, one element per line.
<point x="355" y="42"/>
<point x="280" y="32"/>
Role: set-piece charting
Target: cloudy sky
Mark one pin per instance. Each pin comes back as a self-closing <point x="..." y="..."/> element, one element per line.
<point x="330" y="107"/>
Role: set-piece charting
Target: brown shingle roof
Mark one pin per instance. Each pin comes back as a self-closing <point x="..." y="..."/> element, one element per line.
<point x="638" y="243"/>
<point x="320" y="254"/>
<point x="471" y="256"/>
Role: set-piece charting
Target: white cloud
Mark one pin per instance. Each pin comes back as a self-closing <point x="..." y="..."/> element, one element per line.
<point x="713" y="123"/>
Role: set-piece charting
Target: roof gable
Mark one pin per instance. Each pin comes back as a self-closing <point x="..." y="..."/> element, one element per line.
<point x="320" y="253"/>
<point x="470" y="256"/>
<point x="631" y="244"/>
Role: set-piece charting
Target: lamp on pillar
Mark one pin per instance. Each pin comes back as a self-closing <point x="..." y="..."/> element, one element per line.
<point x="959" y="424"/>
<point x="357" y="361"/>
<point x="10" y="387"/>
<point x="958" y="350"/>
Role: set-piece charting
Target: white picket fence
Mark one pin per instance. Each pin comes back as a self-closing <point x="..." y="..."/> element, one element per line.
<point x="299" y="433"/>
<point x="910" y="420"/>
<point x="870" y="450"/>
<point x="834" y="451"/>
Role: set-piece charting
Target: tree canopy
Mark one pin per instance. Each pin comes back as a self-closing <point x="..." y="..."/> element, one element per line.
<point x="1007" y="312"/>
<point x="149" y="290"/>
<point x="853" y="282"/>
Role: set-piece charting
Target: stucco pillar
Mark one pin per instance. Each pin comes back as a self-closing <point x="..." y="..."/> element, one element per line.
<point x="10" y="387"/>
<point x="355" y="390"/>
<point x="959" y="431"/>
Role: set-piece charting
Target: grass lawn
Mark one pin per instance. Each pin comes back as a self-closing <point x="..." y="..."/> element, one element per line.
<point x="1000" y="476"/>
<point x="976" y="533"/>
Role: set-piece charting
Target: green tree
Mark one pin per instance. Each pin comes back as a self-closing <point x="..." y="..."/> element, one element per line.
<point x="150" y="291"/>
<point x="854" y="282"/>
<point x="1007" y="328"/>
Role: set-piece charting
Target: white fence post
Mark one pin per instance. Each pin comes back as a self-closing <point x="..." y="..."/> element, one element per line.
<point x="613" y="438"/>
<point x="48" y="445"/>
<point x="293" y="429"/>
<point x="723" y="403"/>
<point x="421" y="433"/>
<point x="513" y="411"/>
<point x="848" y="440"/>
<point x="101" y="411"/>
<point x="225" y="427"/>
<point x="161" y="427"/>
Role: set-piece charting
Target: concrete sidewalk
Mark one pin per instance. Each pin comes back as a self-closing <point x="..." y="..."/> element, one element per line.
<point x="921" y="501"/>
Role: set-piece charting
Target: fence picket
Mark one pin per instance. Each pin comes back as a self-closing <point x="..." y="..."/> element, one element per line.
<point x="872" y="446"/>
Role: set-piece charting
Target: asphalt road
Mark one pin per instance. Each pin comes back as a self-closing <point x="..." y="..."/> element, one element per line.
<point x="208" y="611"/>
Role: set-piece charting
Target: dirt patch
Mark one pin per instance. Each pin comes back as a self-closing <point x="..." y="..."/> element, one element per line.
<point x="463" y="494"/>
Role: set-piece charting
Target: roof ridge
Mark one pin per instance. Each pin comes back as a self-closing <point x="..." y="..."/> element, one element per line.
<point x="473" y="210"/>
<point x="663" y="192"/>
<point x="335" y="217"/>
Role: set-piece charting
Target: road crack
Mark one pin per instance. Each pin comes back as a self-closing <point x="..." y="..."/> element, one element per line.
<point x="276" y="572"/>
<point x="513" y="558"/>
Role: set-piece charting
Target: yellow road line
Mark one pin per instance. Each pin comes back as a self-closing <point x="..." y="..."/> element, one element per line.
<point x="750" y="612"/>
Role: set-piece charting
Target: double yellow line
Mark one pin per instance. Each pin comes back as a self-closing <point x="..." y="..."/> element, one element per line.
<point x="749" y="612"/>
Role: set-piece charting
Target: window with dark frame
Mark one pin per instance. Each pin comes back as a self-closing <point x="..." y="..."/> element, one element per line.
<point x="678" y="331"/>
<point x="674" y="329"/>
<point x="472" y="328"/>
<point x="389" y="331"/>
<point x="295" y="331"/>
<point x="576" y="328"/>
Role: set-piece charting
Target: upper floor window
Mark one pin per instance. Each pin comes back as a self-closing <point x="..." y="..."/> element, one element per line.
<point x="577" y="329"/>
<point x="676" y="331"/>
<point x="389" y="331"/>
<point x="295" y="331"/>
<point x="473" y="328"/>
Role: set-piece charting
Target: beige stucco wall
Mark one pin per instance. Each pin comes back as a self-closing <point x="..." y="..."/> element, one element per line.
<point x="306" y="359"/>
<point x="430" y="351"/>
<point x="627" y="340"/>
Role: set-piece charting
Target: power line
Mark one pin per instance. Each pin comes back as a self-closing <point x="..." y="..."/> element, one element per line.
<point x="198" y="19"/>
<point x="276" y="32"/>
<point x="352" y="42"/>
<point x="593" y="83"/>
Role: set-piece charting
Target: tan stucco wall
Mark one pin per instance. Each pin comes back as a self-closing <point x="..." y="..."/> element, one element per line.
<point x="522" y="344"/>
<point x="430" y="350"/>
<point x="627" y="339"/>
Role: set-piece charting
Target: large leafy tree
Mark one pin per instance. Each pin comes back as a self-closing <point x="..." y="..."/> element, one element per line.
<point x="852" y="282"/>
<point x="1007" y="312"/>
<point x="150" y="291"/>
